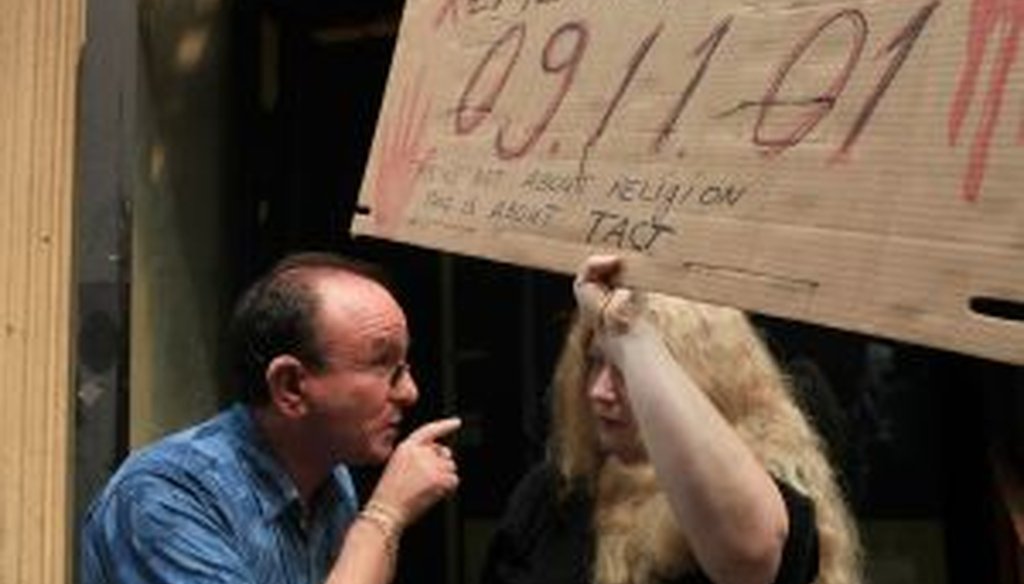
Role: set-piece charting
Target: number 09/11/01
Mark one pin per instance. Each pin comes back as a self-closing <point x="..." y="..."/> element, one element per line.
<point x="566" y="47"/>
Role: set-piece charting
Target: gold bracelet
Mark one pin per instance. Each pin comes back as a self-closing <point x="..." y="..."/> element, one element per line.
<point x="384" y="518"/>
<point x="384" y="527"/>
<point x="393" y="515"/>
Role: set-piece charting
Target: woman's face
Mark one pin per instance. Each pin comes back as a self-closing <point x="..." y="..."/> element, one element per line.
<point x="614" y="424"/>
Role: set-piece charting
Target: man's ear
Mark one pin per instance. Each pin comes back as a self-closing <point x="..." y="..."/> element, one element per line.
<point x="285" y="375"/>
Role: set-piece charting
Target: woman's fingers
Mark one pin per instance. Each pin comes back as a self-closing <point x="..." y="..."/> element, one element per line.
<point x="595" y="279"/>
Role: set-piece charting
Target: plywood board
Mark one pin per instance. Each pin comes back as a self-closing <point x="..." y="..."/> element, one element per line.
<point x="854" y="164"/>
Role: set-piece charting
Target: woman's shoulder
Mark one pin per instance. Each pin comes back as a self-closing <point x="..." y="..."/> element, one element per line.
<point x="540" y="500"/>
<point x="536" y="491"/>
<point x="800" y="554"/>
<point x="543" y="535"/>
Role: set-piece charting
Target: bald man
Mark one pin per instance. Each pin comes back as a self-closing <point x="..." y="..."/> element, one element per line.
<point x="262" y="491"/>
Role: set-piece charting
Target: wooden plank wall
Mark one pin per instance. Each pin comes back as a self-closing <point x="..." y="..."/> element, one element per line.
<point x="40" y="43"/>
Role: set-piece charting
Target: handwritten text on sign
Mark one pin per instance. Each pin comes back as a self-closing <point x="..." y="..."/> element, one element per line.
<point x="760" y="140"/>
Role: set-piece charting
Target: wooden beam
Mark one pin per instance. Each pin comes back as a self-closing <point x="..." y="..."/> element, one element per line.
<point x="40" y="45"/>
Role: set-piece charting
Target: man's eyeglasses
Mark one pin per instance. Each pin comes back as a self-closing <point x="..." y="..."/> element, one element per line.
<point x="392" y="373"/>
<point x="399" y="371"/>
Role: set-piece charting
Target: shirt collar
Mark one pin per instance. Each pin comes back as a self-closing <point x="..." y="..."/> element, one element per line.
<point x="274" y="486"/>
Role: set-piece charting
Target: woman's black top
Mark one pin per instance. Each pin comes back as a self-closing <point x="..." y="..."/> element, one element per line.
<point x="544" y="540"/>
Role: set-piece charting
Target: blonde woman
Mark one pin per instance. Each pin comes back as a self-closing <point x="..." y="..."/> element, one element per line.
<point x="677" y="456"/>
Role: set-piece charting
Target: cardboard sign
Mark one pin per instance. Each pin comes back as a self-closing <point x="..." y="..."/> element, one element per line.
<point x="855" y="164"/>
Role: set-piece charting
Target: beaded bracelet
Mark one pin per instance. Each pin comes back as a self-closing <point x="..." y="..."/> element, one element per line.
<point x="619" y="320"/>
<point x="602" y="317"/>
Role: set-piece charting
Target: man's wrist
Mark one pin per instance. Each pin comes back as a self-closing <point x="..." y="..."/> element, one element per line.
<point x="387" y="520"/>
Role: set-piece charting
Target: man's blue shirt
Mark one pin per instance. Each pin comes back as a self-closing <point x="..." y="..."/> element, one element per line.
<point x="211" y="504"/>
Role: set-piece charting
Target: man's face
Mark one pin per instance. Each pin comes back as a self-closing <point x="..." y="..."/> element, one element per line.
<point x="356" y="402"/>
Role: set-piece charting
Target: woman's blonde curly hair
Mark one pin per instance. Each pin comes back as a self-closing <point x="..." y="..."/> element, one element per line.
<point x="724" y="355"/>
